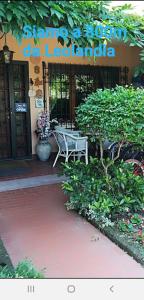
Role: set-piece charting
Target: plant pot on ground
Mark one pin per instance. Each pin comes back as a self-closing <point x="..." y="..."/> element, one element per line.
<point x="43" y="150"/>
<point x="43" y="132"/>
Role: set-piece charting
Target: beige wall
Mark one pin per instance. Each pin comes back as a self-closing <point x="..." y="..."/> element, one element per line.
<point x="125" y="56"/>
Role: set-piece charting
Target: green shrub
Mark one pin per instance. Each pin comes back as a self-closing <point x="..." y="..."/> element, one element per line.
<point x="116" y="114"/>
<point x="24" y="269"/>
<point x="93" y="194"/>
<point x="105" y="188"/>
<point x="113" y="114"/>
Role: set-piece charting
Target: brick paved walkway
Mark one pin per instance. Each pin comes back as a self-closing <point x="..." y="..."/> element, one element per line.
<point x="34" y="223"/>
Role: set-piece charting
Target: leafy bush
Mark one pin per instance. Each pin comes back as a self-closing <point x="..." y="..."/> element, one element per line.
<point x="116" y="114"/>
<point x="98" y="196"/>
<point x="132" y="225"/>
<point x="113" y="114"/>
<point x="24" y="269"/>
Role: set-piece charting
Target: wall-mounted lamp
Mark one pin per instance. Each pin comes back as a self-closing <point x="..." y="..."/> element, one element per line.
<point x="6" y="55"/>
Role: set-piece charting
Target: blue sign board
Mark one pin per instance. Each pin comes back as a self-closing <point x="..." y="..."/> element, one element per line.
<point x="21" y="107"/>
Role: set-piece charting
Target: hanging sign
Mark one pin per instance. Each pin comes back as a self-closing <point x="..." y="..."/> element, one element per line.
<point x="21" y="107"/>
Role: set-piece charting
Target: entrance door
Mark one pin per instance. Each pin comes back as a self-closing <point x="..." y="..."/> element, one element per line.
<point x="15" y="132"/>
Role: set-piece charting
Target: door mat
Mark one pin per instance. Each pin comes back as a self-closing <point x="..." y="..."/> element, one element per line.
<point x="14" y="168"/>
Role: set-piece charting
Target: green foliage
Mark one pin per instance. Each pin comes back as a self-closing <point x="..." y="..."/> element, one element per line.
<point x="136" y="219"/>
<point x="105" y="189"/>
<point x="139" y="237"/>
<point x="24" y="269"/>
<point x="15" y="14"/>
<point x="133" y="227"/>
<point x="139" y="70"/>
<point x="96" y="195"/>
<point x="114" y="114"/>
<point x="126" y="227"/>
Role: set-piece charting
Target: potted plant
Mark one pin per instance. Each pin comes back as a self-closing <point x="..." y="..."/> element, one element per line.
<point x="43" y="132"/>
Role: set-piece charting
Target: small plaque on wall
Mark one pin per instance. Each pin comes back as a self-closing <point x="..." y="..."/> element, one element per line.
<point x="39" y="103"/>
<point x="21" y="107"/>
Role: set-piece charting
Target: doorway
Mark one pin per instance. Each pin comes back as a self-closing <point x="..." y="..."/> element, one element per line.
<point x="15" y="129"/>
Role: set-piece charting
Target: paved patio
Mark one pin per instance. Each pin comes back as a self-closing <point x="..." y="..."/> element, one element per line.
<point x="35" y="224"/>
<point x="23" y="183"/>
<point x="34" y="168"/>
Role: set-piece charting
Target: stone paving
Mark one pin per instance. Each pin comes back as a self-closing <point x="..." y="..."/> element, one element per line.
<point x="16" y="184"/>
<point x="35" y="224"/>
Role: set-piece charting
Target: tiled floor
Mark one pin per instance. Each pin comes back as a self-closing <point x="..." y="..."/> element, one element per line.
<point x="36" y="167"/>
<point x="35" y="224"/>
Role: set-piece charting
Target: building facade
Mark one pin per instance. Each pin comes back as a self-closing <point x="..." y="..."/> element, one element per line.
<point x="59" y="84"/>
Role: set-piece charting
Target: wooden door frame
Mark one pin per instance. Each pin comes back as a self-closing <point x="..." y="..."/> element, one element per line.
<point x="12" y="109"/>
